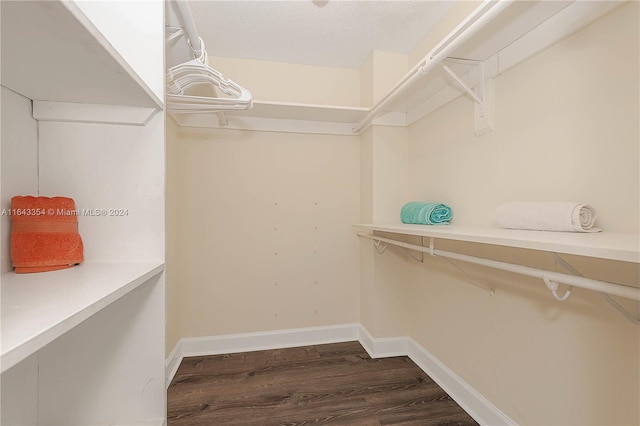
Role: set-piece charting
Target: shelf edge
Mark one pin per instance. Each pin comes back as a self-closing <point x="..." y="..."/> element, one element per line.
<point x="484" y="236"/>
<point x="88" y="25"/>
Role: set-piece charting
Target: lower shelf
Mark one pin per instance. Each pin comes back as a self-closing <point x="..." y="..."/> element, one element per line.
<point x="38" y="308"/>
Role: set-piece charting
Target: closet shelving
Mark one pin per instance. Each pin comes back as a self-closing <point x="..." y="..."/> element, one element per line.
<point x="85" y="345"/>
<point x="495" y="37"/>
<point x="606" y="245"/>
<point x="55" y="55"/>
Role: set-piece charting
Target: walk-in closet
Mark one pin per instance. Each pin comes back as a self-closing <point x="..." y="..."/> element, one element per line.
<point x="329" y="211"/>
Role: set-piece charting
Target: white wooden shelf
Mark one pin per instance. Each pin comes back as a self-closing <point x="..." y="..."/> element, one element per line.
<point x="37" y="308"/>
<point x="301" y="111"/>
<point x="606" y="245"/>
<point x="282" y="116"/>
<point x="52" y="52"/>
<point x="516" y="21"/>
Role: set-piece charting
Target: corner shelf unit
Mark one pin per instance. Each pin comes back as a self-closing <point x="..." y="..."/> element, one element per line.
<point x="495" y="37"/>
<point x="83" y="117"/>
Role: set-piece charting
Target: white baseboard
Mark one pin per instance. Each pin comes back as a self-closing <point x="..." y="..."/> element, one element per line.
<point x="247" y="342"/>
<point x="478" y="407"/>
<point x="173" y="362"/>
<point x="471" y="401"/>
<point x="383" y="347"/>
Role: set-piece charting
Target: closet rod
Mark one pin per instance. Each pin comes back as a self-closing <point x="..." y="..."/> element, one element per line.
<point x="189" y="27"/>
<point x="577" y="281"/>
<point x="483" y="14"/>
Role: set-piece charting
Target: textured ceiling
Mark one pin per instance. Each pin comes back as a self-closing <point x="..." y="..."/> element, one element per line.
<point x="335" y="33"/>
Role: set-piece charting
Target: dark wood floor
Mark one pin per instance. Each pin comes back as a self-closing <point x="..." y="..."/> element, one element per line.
<point x="335" y="384"/>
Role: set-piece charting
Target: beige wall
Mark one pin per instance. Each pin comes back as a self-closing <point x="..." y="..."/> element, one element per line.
<point x="458" y="12"/>
<point x="260" y="223"/>
<point x="380" y="72"/>
<point x="384" y="189"/>
<point x="265" y="238"/>
<point x="283" y="82"/>
<point x="567" y="128"/>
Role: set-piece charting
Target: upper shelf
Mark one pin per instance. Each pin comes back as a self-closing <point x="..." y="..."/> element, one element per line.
<point x="284" y="117"/>
<point x="38" y="308"/>
<point x="519" y="31"/>
<point x="497" y="35"/>
<point x="51" y="51"/>
<point x="606" y="245"/>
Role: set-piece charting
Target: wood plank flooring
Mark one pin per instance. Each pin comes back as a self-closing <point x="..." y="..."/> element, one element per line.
<point x="336" y="384"/>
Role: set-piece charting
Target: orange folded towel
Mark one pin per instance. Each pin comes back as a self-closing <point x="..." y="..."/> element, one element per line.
<point x="44" y="234"/>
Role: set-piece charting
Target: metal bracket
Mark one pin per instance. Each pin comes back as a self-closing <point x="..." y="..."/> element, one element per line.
<point x="483" y="95"/>
<point x="628" y="315"/>
<point x="414" y="257"/>
<point x="479" y="99"/>
<point x="222" y="119"/>
<point x="380" y="246"/>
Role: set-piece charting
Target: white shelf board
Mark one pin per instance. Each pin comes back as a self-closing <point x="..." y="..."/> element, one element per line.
<point x="606" y="245"/>
<point x="52" y="52"/>
<point x="38" y="308"/>
<point x="302" y="111"/>
<point x="282" y="117"/>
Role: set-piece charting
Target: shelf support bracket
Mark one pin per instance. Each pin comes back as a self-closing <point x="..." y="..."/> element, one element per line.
<point x="413" y="256"/>
<point x="465" y="86"/>
<point x="380" y="246"/>
<point x="628" y="315"/>
<point x="482" y="96"/>
<point x="222" y="119"/>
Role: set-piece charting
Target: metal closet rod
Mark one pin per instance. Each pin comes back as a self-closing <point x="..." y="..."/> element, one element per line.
<point x="189" y="27"/>
<point x="548" y="276"/>
<point x="483" y="14"/>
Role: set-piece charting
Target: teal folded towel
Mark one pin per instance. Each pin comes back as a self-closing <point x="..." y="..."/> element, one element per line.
<point x="426" y="213"/>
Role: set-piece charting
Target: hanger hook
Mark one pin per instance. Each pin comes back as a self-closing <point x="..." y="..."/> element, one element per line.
<point x="553" y="286"/>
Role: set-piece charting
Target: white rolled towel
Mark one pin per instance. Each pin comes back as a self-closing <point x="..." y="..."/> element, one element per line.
<point x="547" y="216"/>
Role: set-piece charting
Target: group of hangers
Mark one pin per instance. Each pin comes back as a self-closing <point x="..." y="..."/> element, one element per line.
<point x="196" y="73"/>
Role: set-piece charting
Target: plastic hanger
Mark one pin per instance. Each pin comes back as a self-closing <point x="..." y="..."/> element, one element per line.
<point x="196" y="73"/>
